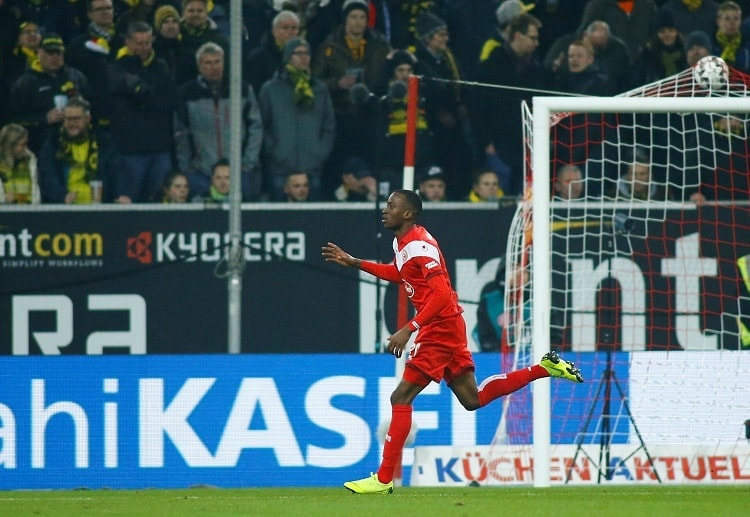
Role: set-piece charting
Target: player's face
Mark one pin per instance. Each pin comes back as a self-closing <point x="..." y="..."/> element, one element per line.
<point x="394" y="211"/>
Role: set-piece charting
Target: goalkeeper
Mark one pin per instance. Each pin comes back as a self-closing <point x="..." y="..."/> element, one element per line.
<point x="440" y="351"/>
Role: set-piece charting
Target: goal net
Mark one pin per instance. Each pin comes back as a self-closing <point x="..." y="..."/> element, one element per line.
<point x="642" y="281"/>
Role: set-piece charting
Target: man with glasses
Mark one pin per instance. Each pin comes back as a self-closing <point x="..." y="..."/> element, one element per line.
<point x="39" y="95"/>
<point x="497" y="112"/>
<point x="71" y="159"/>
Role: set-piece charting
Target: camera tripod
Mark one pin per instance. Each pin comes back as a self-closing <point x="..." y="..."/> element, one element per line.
<point x="622" y="226"/>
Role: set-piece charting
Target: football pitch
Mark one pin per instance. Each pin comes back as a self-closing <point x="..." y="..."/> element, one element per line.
<point x="575" y="501"/>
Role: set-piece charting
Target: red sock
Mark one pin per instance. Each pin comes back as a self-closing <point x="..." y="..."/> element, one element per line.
<point x="394" y="441"/>
<point x="506" y="383"/>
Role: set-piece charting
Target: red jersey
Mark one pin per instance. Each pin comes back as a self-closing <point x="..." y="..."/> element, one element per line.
<point x="420" y="266"/>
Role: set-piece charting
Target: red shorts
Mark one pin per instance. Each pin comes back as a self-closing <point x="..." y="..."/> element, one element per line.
<point x="439" y="352"/>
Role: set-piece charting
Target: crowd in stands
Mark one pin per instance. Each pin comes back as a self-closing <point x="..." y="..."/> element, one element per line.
<point x="135" y="93"/>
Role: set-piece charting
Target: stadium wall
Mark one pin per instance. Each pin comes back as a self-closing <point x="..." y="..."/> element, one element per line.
<point x="105" y="280"/>
<point x="292" y="420"/>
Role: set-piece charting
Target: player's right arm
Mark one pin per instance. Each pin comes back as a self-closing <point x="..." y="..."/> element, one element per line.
<point x="332" y="253"/>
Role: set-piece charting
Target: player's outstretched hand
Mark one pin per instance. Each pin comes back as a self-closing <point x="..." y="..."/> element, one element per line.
<point x="332" y="253"/>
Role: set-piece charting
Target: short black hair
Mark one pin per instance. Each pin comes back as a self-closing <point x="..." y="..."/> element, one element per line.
<point x="219" y="163"/>
<point x="412" y="199"/>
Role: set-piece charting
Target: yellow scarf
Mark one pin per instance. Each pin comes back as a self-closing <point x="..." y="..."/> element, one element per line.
<point x="303" y="95"/>
<point x="357" y="49"/>
<point x="729" y="45"/>
<point x="125" y="52"/>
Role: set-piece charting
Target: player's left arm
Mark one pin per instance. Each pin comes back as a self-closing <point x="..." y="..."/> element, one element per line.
<point x="439" y="299"/>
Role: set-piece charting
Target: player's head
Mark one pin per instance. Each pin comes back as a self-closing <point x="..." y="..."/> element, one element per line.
<point x="401" y="210"/>
<point x="413" y="201"/>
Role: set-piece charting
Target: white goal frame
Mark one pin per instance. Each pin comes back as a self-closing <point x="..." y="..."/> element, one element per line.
<point x="543" y="109"/>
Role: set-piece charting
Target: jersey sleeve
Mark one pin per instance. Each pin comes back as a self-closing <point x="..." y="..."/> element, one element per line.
<point x="440" y="298"/>
<point x="383" y="271"/>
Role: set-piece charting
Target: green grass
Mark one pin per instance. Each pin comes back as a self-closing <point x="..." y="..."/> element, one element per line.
<point x="658" y="501"/>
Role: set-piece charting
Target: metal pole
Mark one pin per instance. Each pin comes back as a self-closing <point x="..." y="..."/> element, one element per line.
<point x="235" y="251"/>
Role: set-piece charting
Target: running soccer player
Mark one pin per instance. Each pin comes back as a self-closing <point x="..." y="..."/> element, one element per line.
<point x="440" y="351"/>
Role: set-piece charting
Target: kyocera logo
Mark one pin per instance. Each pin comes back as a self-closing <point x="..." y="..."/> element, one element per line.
<point x="25" y="244"/>
<point x="148" y="247"/>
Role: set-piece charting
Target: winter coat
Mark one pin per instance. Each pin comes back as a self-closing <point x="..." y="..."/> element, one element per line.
<point x="295" y="139"/>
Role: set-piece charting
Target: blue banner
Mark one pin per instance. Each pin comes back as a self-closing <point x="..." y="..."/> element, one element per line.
<point x="230" y="421"/>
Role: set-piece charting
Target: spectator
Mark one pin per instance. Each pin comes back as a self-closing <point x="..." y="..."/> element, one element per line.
<point x="432" y="184"/>
<point x="582" y="76"/>
<point x="488" y="332"/>
<point x="298" y="122"/>
<point x="218" y="191"/>
<point x="18" y="167"/>
<point x="23" y="55"/>
<point x="697" y="45"/>
<point x="176" y="188"/>
<point x="91" y="53"/>
<point x="693" y="15"/>
<point x="447" y="115"/>
<point x="664" y="55"/>
<point x="636" y="182"/>
<point x="71" y="159"/>
<point x="505" y="12"/>
<point x="196" y="29"/>
<point x="202" y="125"/>
<point x="297" y="187"/>
<point x="610" y="53"/>
<point x="357" y="182"/>
<point x="514" y="65"/>
<point x="729" y="43"/>
<point x="38" y="96"/>
<point x="634" y="22"/>
<point x="729" y="180"/>
<point x="266" y="58"/>
<point x="568" y="185"/>
<point x="390" y="124"/>
<point x="144" y="99"/>
<point x="351" y="54"/>
<point x="167" y="37"/>
<point x="486" y="187"/>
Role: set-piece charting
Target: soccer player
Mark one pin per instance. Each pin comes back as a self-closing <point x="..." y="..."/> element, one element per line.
<point x="440" y="351"/>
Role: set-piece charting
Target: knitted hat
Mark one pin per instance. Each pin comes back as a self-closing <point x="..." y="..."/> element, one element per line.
<point x="292" y="45"/>
<point x="350" y="5"/>
<point x="697" y="38"/>
<point x="162" y="13"/>
<point x="665" y="20"/>
<point x="428" y="24"/>
<point x="509" y="9"/>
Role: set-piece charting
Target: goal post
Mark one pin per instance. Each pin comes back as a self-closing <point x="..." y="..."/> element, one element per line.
<point x="661" y="103"/>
